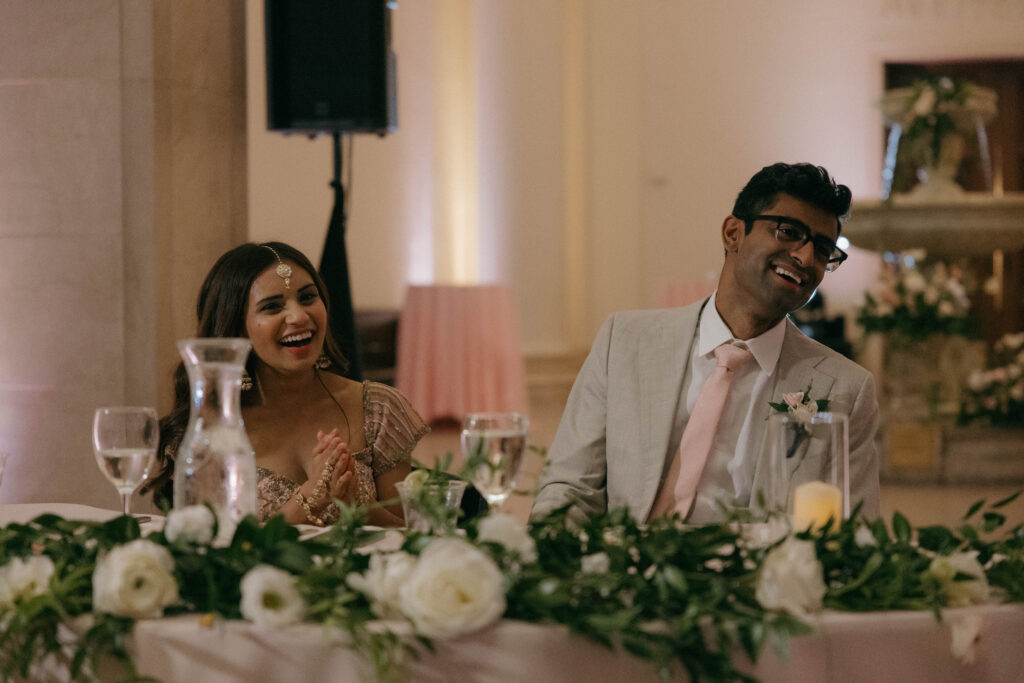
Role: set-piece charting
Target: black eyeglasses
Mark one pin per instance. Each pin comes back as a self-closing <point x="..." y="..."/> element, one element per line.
<point x="795" y="234"/>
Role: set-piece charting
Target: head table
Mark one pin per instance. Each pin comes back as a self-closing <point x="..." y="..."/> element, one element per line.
<point x="901" y="647"/>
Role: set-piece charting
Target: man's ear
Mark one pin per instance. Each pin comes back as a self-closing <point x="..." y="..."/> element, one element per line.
<point x="733" y="230"/>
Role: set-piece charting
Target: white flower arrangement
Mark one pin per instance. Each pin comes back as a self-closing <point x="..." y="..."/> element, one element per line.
<point x="135" y="580"/>
<point x="960" y="592"/>
<point x="454" y="589"/>
<point x="508" y="532"/>
<point x="382" y="582"/>
<point x="24" y="578"/>
<point x="997" y="392"/>
<point x="792" y="579"/>
<point x="270" y="598"/>
<point x="934" y="108"/>
<point x="195" y="522"/>
<point x="916" y="304"/>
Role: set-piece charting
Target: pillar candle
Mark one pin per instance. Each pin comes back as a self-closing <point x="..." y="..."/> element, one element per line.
<point x="814" y="503"/>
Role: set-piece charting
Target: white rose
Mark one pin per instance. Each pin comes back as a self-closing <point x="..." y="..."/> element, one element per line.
<point x="134" y="580"/>
<point x="946" y="309"/>
<point x="195" y="522"/>
<point x="598" y="563"/>
<point x="791" y="579"/>
<point x="960" y="593"/>
<point x="270" y="598"/>
<point x="803" y="413"/>
<point x="793" y="398"/>
<point x="382" y="582"/>
<point x="507" y="531"/>
<point x="21" y="579"/>
<point x="864" y="538"/>
<point x="454" y="589"/>
<point x="931" y="295"/>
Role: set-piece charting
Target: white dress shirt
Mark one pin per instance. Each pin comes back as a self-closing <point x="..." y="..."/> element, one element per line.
<point x="729" y="473"/>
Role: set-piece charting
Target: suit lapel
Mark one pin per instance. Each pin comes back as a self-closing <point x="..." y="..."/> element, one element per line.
<point x="662" y="360"/>
<point x="797" y="367"/>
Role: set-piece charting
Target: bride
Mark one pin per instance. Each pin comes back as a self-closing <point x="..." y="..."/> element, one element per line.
<point x="317" y="436"/>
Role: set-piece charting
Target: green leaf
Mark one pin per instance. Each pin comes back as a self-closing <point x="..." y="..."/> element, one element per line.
<point x="974" y="508"/>
<point x="937" y="539"/>
<point x="1007" y="501"/>
<point x="993" y="520"/>
<point x="900" y="527"/>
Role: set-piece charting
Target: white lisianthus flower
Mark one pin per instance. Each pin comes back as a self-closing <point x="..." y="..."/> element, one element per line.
<point x="195" y="522"/>
<point x="960" y="593"/>
<point x="270" y="598"/>
<point x="135" y="580"/>
<point x="597" y="563"/>
<point x="965" y="632"/>
<point x="24" y="578"/>
<point x="382" y="582"/>
<point x="791" y="579"/>
<point x="454" y="589"/>
<point x="508" y="532"/>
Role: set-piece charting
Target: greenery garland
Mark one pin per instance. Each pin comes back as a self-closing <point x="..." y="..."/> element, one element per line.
<point x="674" y="595"/>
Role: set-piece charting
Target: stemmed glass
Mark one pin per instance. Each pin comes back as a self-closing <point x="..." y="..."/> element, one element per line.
<point x="492" y="447"/>
<point x="125" y="441"/>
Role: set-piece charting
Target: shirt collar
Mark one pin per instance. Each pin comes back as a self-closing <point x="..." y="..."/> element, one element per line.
<point x="712" y="332"/>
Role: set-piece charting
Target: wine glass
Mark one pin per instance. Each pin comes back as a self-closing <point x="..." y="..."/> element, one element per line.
<point x="492" y="447"/>
<point x="125" y="442"/>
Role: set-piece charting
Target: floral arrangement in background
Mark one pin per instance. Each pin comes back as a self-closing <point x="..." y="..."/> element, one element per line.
<point x="934" y="108"/>
<point x="674" y="595"/>
<point x="996" y="393"/>
<point x="917" y="303"/>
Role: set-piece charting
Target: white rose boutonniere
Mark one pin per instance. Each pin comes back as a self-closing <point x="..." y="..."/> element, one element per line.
<point x="801" y="409"/>
<point x="135" y="580"/>
<point x="382" y="582"/>
<point x="963" y="591"/>
<point x="270" y="598"/>
<point x="508" y="532"/>
<point x="24" y="578"/>
<point x="454" y="589"/>
<point x="791" y="579"/>
<point x="195" y="522"/>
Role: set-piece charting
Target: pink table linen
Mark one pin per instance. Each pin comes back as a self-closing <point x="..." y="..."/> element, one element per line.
<point x="459" y="351"/>
<point x="885" y="647"/>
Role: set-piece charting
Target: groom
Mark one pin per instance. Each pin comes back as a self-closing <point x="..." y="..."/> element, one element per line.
<point x="618" y="443"/>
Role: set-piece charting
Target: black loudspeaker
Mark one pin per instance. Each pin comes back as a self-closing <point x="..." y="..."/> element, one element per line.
<point x="330" y="66"/>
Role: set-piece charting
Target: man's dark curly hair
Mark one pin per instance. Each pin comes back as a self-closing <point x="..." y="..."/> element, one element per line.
<point x="805" y="182"/>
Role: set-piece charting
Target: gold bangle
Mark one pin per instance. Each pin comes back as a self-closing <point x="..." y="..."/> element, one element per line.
<point x="315" y="495"/>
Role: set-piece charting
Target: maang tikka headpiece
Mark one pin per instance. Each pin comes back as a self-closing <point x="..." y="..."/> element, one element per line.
<point x="283" y="270"/>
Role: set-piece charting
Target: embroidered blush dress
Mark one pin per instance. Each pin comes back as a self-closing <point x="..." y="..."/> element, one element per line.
<point x="392" y="428"/>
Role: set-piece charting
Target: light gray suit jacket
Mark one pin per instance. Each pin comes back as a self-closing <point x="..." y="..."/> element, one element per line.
<point x="625" y="415"/>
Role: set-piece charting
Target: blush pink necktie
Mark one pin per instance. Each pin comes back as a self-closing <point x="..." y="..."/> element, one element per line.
<point x="699" y="434"/>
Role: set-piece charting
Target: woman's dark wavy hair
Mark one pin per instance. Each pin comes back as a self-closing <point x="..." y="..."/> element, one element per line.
<point x="806" y="182"/>
<point x="220" y="312"/>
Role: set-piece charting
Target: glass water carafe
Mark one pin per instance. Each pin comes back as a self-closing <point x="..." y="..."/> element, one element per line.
<point x="215" y="464"/>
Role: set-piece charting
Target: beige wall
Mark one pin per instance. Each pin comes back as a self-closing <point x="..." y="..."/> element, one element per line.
<point x="122" y="175"/>
<point x="611" y="138"/>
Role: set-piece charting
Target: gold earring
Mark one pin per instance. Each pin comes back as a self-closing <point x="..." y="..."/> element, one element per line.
<point x="323" y="362"/>
<point x="246" y="380"/>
